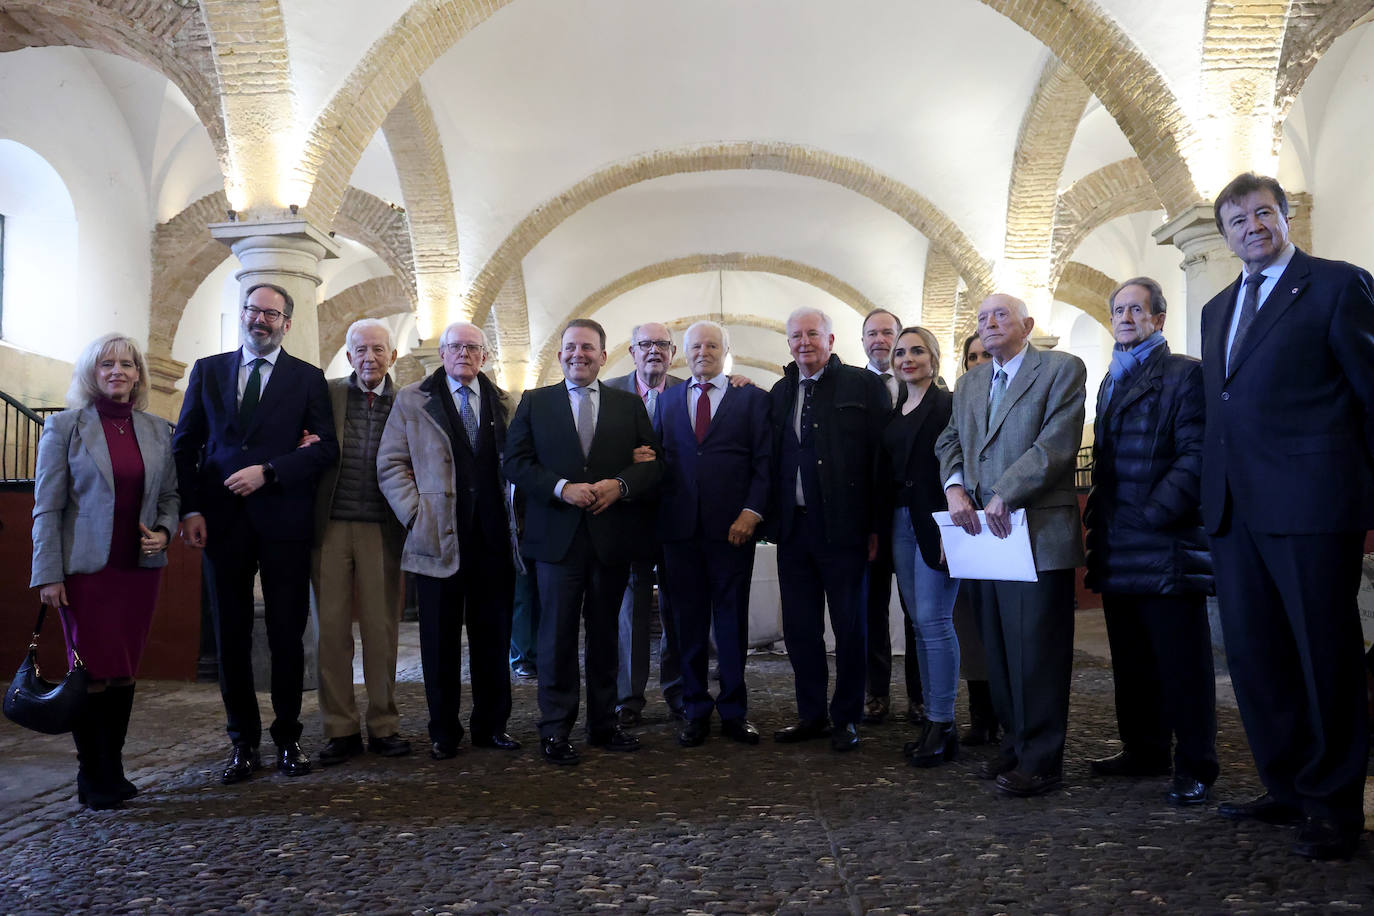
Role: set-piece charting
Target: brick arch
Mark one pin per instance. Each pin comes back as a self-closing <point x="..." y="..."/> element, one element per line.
<point x="375" y="298"/>
<point x="1124" y="80"/>
<point x="1086" y="289"/>
<point x="1114" y="190"/>
<point x="789" y="158"/>
<point x="679" y="326"/>
<point x="390" y="67"/>
<point x="382" y="227"/>
<point x="166" y="37"/>
<point x="1311" y="29"/>
<point x="695" y="264"/>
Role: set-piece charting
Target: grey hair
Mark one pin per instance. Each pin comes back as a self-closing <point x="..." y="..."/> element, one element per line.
<point x="84" y="391"/>
<point x="807" y="311"/>
<point x="1157" y="304"/>
<point x="363" y="324"/>
<point x="634" y="331"/>
<point x="705" y="323"/>
<point x="466" y="324"/>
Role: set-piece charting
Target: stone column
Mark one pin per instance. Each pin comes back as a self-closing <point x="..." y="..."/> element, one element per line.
<point x="1208" y="267"/>
<point x="287" y="254"/>
<point x="164" y="398"/>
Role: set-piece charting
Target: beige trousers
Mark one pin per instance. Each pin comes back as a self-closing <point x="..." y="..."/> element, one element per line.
<point x="352" y="569"/>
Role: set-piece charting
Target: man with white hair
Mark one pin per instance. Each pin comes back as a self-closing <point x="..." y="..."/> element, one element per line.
<point x="356" y="561"/>
<point x="827" y="421"/>
<point x="440" y="468"/>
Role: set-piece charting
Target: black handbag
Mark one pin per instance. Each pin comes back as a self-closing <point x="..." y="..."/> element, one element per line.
<point x="42" y="705"/>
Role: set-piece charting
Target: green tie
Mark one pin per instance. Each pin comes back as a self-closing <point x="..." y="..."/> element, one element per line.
<point x="251" y="393"/>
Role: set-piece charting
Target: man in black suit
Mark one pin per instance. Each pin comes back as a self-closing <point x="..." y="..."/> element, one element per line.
<point x="827" y="421"/>
<point x="571" y="451"/>
<point x="651" y="347"/>
<point x="439" y="466"/>
<point x="1287" y="495"/>
<point x="247" y="498"/>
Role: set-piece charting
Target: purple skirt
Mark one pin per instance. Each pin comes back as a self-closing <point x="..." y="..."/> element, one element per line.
<point x="108" y="617"/>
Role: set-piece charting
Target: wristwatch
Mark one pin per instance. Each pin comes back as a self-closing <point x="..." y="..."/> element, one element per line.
<point x="269" y="474"/>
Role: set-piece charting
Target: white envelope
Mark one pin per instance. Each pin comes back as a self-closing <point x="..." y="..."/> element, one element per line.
<point x="986" y="556"/>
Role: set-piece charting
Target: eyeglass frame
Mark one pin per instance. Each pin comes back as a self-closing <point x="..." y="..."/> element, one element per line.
<point x="471" y="349"/>
<point x="272" y="315"/>
<point x="648" y="346"/>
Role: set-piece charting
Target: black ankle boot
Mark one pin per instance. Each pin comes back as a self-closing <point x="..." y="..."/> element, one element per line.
<point x="94" y="787"/>
<point x="982" y="727"/>
<point x="940" y="745"/>
<point x="121" y="704"/>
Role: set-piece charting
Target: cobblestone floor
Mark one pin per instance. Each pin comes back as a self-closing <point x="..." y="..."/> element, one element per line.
<point x="718" y="829"/>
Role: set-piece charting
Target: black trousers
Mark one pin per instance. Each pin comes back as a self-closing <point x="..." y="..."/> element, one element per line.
<point x="811" y="575"/>
<point x="478" y="596"/>
<point x="578" y="588"/>
<point x="877" y="597"/>
<point x="234" y="553"/>
<point x="1027" y="630"/>
<point x="1290" y="616"/>
<point x="1165" y="682"/>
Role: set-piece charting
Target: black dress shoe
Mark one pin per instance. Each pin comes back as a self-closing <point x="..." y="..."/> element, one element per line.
<point x="558" y="749"/>
<point x="291" y="760"/>
<point x="1128" y="764"/>
<point x="845" y="737"/>
<point x="243" y="762"/>
<point x="1004" y="762"/>
<point x="677" y="712"/>
<point x="628" y="718"/>
<point x="939" y="745"/>
<point x="805" y="730"/>
<point x="876" y="710"/>
<point x="739" y="730"/>
<point x="438" y="750"/>
<point x="501" y="741"/>
<point x="978" y="734"/>
<point x="1024" y="785"/>
<point x="1324" y="839"/>
<point x="1187" y="791"/>
<point x="524" y="670"/>
<point x="695" y="732"/>
<point x="388" y="746"/>
<point x="916" y="712"/>
<point x="617" y="739"/>
<point x="338" y="750"/>
<point x="1266" y="809"/>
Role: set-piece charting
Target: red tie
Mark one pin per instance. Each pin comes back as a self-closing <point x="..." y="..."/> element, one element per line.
<point x="371" y="396"/>
<point x="703" y="409"/>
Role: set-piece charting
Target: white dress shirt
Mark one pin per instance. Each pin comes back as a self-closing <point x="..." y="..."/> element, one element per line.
<point x="1271" y="280"/>
<point x="264" y="371"/>
<point x="594" y="392"/>
<point x="1009" y="368"/>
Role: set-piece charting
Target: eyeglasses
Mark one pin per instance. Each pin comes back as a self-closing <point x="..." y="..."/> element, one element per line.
<point x="648" y="345"/>
<point x="470" y="349"/>
<point x="272" y="315"/>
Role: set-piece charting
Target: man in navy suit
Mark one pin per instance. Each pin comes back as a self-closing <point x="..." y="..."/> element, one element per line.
<point x="651" y="347"/>
<point x="827" y="421"/>
<point x="716" y="452"/>
<point x="248" y="498"/>
<point x="571" y="450"/>
<point x="1287" y="495"/>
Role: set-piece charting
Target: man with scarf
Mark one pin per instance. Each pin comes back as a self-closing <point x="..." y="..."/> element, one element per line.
<point x="1147" y="554"/>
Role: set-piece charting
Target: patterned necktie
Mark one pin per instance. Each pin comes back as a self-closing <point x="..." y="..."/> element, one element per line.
<point x="371" y="398"/>
<point x="651" y="402"/>
<point x="469" y="418"/>
<point x="999" y="391"/>
<point x="808" y="388"/>
<point x="1248" y="308"/>
<point x="252" y="392"/>
<point x="703" y="424"/>
<point x="586" y="419"/>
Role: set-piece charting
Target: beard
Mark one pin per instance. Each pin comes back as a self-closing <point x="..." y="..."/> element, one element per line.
<point x="252" y="344"/>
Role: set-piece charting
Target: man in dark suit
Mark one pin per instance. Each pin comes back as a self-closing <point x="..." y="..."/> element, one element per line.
<point x="1287" y="495"/>
<point x="1012" y="443"/>
<point x="571" y="450"/>
<point x="247" y="498"/>
<point x="651" y="347"/>
<point x="827" y="421"/>
<point x="716" y="454"/>
<point x="439" y="466"/>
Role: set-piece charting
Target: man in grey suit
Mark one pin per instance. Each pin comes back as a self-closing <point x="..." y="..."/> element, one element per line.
<point x="651" y="346"/>
<point x="1011" y="444"/>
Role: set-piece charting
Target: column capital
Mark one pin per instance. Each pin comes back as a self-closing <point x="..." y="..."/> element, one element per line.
<point x="1191" y="228"/>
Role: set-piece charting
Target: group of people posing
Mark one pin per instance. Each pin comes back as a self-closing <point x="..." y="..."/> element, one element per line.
<point x="1212" y="475"/>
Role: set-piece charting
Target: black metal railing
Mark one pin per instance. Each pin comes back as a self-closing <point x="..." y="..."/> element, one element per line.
<point x="1083" y="469"/>
<point x="20" y="428"/>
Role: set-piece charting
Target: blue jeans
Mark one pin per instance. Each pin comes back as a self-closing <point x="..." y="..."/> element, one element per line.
<point x="929" y="595"/>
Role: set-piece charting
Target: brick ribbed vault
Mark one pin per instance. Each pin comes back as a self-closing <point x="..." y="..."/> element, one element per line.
<point x="375" y="298"/>
<point x="170" y="39"/>
<point x="1086" y="289"/>
<point x="857" y="176"/>
<point x="1095" y="199"/>
<point x="1312" y="26"/>
<point x="695" y="264"/>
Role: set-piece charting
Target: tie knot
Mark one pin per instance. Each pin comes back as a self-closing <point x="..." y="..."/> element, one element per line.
<point x="1255" y="279"/>
<point x="885" y="376"/>
<point x="1000" y="375"/>
<point x="464" y="390"/>
<point x="257" y="362"/>
<point x="705" y="386"/>
<point x="807" y="384"/>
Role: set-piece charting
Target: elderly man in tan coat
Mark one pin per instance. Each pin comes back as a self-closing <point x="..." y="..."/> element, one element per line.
<point x="439" y="466"/>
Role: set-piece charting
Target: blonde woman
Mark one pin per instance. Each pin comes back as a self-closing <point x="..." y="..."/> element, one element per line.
<point x="105" y="507"/>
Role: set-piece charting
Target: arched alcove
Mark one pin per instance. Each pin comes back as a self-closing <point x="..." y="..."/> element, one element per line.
<point x="40" y="246"/>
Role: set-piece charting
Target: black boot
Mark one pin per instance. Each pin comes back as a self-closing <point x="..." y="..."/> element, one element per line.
<point x="121" y="704"/>
<point x="93" y="786"/>
<point x="982" y="727"/>
<point x="939" y="745"/>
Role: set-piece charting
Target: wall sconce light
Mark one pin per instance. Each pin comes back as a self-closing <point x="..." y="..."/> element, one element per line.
<point x="295" y="208"/>
<point x="233" y="215"/>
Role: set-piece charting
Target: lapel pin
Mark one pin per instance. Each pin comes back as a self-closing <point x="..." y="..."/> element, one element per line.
<point x="1295" y="290"/>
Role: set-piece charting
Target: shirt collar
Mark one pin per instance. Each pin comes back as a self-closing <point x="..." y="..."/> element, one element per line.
<point x="246" y="358"/>
<point x="591" y="386"/>
<point x="814" y="378"/>
<point x="875" y="370"/>
<point x="643" y="391"/>
<point x="1011" y="365"/>
<point x="378" y="390"/>
<point x="719" y="381"/>
<point x="454" y="385"/>
<point x="1280" y="264"/>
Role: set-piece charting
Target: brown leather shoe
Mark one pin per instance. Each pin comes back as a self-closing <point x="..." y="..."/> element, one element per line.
<point x="1266" y="809"/>
<point x="876" y="710"/>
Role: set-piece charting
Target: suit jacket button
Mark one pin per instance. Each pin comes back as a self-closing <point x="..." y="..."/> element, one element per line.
<point x="1226" y="395"/>
<point x="908" y="483"/>
<point x="243" y="448"/>
<point x="982" y="457"/>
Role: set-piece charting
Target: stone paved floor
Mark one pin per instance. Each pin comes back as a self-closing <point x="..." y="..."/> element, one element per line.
<point x="718" y="829"/>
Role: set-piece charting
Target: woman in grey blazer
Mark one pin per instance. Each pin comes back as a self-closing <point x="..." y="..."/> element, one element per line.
<point x="105" y="507"/>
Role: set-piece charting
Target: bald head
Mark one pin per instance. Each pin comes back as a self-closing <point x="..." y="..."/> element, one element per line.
<point x="1004" y="323"/>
